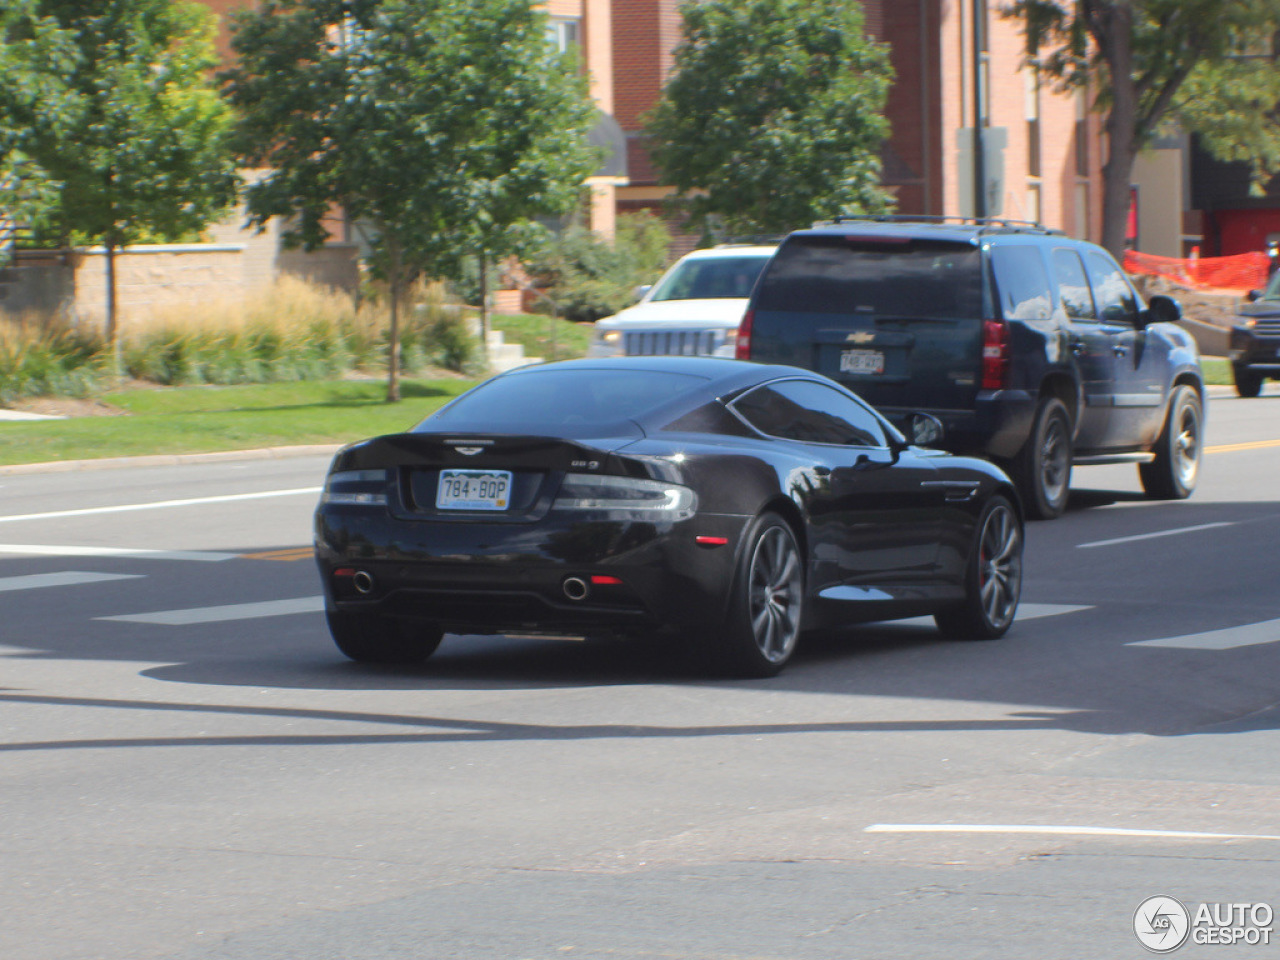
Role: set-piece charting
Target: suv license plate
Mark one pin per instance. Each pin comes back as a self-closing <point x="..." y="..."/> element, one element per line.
<point x="474" y="490"/>
<point x="861" y="361"/>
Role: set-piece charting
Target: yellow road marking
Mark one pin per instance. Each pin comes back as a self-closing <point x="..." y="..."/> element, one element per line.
<point x="292" y="553"/>
<point x="1251" y="445"/>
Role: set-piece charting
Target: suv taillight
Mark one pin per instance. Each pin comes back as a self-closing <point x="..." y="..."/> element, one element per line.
<point x="742" y="350"/>
<point x="995" y="355"/>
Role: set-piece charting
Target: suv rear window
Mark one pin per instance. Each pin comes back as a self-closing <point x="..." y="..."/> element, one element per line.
<point x="849" y="275"/>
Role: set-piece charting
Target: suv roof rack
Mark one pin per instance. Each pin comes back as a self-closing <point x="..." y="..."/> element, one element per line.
<point x="1028" y="226"/>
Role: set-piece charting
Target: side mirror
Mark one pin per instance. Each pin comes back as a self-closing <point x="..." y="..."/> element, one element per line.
<point x="926" y="429"/>
<point x="1253" y="295"/>
<point x="1163" y="309"/>
<point x="639" y="292"/>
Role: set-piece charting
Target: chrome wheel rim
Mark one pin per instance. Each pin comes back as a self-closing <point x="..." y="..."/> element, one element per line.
<point x="776" y="586"/>
<point x="1000" y="567"/>
<point x="1055" y="463"/>
<point x="1186" y="445"/>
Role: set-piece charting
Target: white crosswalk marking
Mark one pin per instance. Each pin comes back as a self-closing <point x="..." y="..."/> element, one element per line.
<point x="1247" y="635"/>
<point x="42" y="550"/>
<point x="234" y="611"/>
<point x="66" y="578"/>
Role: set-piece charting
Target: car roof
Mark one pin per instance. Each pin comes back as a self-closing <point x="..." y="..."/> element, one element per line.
<point x="940" y="229"/>
<point x="723" y="375"/>
<point x="732" y="250"/>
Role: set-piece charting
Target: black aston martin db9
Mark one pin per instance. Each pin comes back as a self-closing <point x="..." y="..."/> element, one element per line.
<point x="715" y="502"/>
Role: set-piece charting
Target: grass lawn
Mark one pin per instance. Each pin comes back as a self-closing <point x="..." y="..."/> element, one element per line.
<point x="200" y="419"/>
<point x="1217" y="371"/>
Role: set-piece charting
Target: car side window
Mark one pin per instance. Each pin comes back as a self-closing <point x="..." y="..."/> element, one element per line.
<point x="1116" y="300"/>
<point x="1022" y="282"/>
<point x="810" y="412"/>
<point x="1073" y="285"/>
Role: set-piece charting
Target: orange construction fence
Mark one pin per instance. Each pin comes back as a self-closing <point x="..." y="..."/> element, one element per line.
<point x="1238" y="274"/>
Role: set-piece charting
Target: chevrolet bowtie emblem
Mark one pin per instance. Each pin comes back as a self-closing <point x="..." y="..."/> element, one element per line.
<point x="862" y="336"/>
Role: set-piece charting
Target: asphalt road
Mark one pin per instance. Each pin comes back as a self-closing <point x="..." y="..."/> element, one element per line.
<point x="189" y="770"/>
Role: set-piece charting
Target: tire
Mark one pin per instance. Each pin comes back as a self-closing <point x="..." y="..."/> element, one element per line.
<point x="993" y="577"/>
<point x="1248" y="382"/>
<point x="1172" y="474"/>
<point x="1042" y="468"/>
<point x="766" y="602"/>
<point x="372" y="638"/>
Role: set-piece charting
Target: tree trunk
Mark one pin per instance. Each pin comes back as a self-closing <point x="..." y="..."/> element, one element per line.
<point x="1116" y="39"/>
<point x="393" y="337"/>
<point x="112" y="331"/>
<point x="484" y="306"/>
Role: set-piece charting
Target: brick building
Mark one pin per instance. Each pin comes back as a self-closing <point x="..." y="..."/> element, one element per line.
<point x="1042" y="154"/>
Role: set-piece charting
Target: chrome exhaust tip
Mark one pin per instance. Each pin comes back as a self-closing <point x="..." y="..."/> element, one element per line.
<point x="575" y="588"/>
<point x="362" y="580"/>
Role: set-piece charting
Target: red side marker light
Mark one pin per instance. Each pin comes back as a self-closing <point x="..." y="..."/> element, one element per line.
<point x="711" y="541"/>
<point x="345" y="572"/>
<point x="602" y="581"/>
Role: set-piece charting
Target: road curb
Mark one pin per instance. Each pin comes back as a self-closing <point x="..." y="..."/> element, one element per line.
<point x="173" y="459"/>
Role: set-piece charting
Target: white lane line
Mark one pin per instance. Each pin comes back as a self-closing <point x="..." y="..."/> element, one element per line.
<point x="68" y="578"/>
<point x="235" y="611"/>
<point x="42" y="550"/>
<point x="160" y="504"/>
<point x="1246" y="635"/>
<point x="1059" y="831"/>
<point x="1154" y="536"/>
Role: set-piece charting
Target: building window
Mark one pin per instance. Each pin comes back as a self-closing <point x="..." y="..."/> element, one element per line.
<point x="1032" y="112"/>
<point x="565" y="33"/>
<point x="1034" y="213"/>
<point x="1082" y="134"/>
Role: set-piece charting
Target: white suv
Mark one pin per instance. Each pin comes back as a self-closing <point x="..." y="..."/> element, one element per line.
<point x="694" y="310"/>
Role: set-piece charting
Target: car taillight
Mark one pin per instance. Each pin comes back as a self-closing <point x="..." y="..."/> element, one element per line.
<point x="743" y="348"/>
<point x="995" y="355"/>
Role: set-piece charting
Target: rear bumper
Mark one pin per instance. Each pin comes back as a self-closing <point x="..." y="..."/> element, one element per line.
<point x="491" y="577"/>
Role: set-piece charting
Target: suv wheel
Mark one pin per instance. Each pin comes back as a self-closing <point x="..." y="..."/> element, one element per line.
<point x="1042" y="468"/>
<point x="1172" y="474"/>
<point x="1248" y="383"/>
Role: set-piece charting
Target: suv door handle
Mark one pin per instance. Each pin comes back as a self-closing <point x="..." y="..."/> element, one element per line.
<point x="1119" y="349"/>
<point x="1079" y="348"/>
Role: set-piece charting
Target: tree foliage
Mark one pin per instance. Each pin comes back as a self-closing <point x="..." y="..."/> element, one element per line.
<point x="445" y="126"/>
<point x="1153" y="62"/>
<point x="774" y="116"/>
<point x="120" y="120"/>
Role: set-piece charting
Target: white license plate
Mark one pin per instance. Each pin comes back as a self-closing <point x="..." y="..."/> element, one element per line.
<point x="474" y="490"/>
<point x="861" y="361"/>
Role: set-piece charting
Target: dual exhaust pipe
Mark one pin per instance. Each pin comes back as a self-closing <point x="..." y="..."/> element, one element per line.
<point x="575" y="588"/>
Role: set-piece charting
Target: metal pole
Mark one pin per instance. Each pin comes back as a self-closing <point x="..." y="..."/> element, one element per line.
<point x="979" y="111"/>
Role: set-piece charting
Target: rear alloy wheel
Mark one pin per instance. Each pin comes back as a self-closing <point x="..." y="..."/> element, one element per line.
<point x="1248" y="382"/>
<point x="993" y="580"/>
<point x="767" y="601"/>
<point x="373" y="638"/>
<point x="1042" y="468"/>
<point x="1172" y="474"/>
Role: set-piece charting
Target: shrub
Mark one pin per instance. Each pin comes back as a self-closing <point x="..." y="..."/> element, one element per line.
<point x="586" y="278"/>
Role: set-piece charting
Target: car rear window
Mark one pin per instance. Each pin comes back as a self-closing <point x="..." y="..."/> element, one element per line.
<point x="586" y="399"/>
<point x="715" y="278"/>
<point x="850" y="275"/>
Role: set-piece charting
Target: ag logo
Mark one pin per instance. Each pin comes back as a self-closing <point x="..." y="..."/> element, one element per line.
<point x="1161" y="924"/>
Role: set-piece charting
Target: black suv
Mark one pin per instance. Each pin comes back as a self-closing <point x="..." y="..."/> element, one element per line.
<point x="1032" y="348"/>
<point x="1255" y="340"/>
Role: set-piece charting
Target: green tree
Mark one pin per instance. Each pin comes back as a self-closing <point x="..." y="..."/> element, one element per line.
<point x="35" y="55"/>
<point x="1155" y="62"/>
<point x="133" y="134"/>
<point x="774" y="117"/>
<point x="445" y="126"/>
